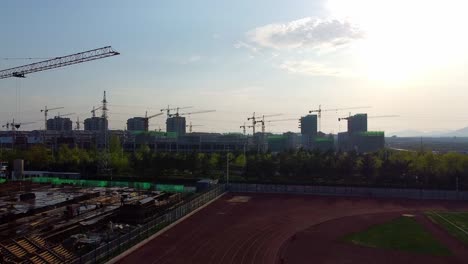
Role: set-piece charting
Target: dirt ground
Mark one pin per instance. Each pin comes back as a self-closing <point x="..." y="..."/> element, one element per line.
<point x="272" y="228"/>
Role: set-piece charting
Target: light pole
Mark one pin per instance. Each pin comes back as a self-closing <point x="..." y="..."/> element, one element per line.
<point x="227" y="169"/>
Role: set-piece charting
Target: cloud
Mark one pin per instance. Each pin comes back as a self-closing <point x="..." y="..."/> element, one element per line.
<point x="311" y="68"/>
<point x="303" y="33"/>
<point x="194" y="58"/>
<point x="241" y="44"/>
<point x="191" y="59"/>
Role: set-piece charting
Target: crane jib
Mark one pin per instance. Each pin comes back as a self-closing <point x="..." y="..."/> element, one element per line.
<point x="58" y="62"/>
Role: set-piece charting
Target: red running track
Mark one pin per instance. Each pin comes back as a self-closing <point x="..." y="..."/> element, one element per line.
<point x="258" y="231"/>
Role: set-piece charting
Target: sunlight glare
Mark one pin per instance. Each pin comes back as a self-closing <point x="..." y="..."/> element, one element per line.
<point x="404" y="39"/>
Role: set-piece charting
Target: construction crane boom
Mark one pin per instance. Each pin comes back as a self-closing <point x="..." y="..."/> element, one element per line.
<point x="158" y="114"/>
<point x="169" y="109"/>
<point x="94" y="110"/>
<point x="62" y="115"/>
<point x="287" y="119"/>
<point x="382" y="116"/>
<point x="58" y="62"/>
<point x="320" y="110"/>
<point x="197" y="112"/>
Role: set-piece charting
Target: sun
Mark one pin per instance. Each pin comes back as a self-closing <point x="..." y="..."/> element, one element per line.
<point x="405" y="39"/>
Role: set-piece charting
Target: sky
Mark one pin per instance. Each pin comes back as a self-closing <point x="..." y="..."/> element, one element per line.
<point x="404" y="58"/>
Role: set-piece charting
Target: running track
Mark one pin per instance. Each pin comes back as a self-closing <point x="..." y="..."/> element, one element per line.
<point x="256" y="231"/>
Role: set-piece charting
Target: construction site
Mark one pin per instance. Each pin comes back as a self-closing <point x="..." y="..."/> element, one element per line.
<point x="57" y="222"/>
<point x="50" y="217"/>
<point x="179" y="134"/>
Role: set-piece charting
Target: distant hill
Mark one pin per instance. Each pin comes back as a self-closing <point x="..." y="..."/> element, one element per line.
<point x="463" y="132"/>
<point x="457" y="133"/>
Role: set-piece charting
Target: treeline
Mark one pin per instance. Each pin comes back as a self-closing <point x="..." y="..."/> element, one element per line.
<point x="388" y="168"/>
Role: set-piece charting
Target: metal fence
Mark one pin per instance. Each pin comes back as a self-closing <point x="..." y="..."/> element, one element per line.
<point x="350" y="191"/>
<point x="122" y="243"/>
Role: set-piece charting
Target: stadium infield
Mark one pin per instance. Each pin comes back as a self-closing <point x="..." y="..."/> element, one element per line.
<point x="282" y="228"/>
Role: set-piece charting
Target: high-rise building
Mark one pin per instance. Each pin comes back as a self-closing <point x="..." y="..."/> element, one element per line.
<point x="137" y="124"/>
<point x="357" y="123"/>
<point x="59" y="124"/>
<point x="95" y="124"/>
<point x="308" y="130"/>
<point x="176" y="124"/>
<point x="309" y="125"/>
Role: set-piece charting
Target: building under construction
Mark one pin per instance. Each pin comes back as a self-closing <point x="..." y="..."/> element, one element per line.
<point x="54" y="220"/>
<point x="357" y="137"/>
<point x="308" y="125"/>
<point x="96" y="124"/>
<point x="176" y="124"/>
<point x="59" y="124"/>
<point x="137" y="124"/>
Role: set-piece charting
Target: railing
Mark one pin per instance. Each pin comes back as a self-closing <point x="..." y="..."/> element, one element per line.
<point x="350" y="191"/>
<point x="122" y="243"/>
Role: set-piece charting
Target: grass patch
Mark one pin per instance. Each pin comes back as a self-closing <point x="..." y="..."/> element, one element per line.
<point x="402" y="233"/>
<point x="452" y="222"/>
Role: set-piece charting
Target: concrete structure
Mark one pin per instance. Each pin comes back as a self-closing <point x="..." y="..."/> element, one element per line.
<point x="357" y="123"/>
<point x="59" y="124"/>
<point x="309" y="125"/>
<point x="308" y="130"/>
<point x="286" y="141"/>
<point x="176" y="124"/>
<point x="358" y="138"/>
<point x="369" y="141"/>
<point x="137" y="124"/>
<point x="96" y="124"/>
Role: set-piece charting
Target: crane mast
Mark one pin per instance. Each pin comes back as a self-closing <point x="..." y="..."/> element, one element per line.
<point x="46" y="110"/>
<point x="243" y="128"/>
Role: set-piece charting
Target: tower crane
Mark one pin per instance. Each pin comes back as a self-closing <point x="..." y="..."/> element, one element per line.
<point x="253" y="118"/>
<point x="255" y="121"/>
<point x="243" y="128"/>
<point x="169" y="109"/>
<point x="95" y="54"/>
<point x="78" y="123"/>
<point x="46" y="110"/>
<point x="94" y="110"/>
<point x="320" y="110"/>
<point x="15" y="126"/>
<point x="104" y="107"/>
<point x="190" y="126"/>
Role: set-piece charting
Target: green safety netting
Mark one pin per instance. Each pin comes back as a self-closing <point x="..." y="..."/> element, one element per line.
<point x="372" y="133"/>
<point x="97" y="183"/>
